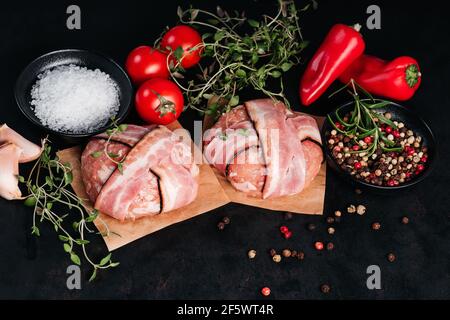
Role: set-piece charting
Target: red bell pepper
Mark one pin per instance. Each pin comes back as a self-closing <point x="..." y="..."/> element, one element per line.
<point x="397" y="79"/>
<point x="342" y="46"/>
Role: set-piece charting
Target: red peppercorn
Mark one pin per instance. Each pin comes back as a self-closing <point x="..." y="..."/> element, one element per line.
<point x="287" y="234"/>
<point x="338" y="125"/>
<point x="284" y="229"/>
<point x="388" y="130"/>
<point x="420" y="167"/>
<point x="357" y="165"/>
<point x="318" y="245"/>
<point x="368" y="140"/>
<point x="355" y="147"/>
<point x="408" y="175"/>
<point x="411" y="151"/>
<point x="265" y="291"/>
<point x="423" y="159"/>
<point x="396" y="133"/>
<point x="337" y="149"/>
<point x="417" y="172"/>
<point x="391" y="183"/>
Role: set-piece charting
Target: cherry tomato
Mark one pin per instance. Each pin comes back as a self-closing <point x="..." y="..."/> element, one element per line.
<point x="159" y="101"/>
<point x="144" y="63"/>
<point x="186" y="38"/>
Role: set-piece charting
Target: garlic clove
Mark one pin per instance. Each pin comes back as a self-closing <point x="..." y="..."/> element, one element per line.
<point x="9" y="171"/>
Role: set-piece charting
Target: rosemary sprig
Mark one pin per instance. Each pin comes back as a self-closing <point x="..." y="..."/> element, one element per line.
<point x="364" y="121"/>
<point x="48" y="186"/>
<point x="236" y="59"/>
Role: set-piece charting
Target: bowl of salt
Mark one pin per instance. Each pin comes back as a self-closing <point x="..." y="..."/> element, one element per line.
<point x="74" y="94"/>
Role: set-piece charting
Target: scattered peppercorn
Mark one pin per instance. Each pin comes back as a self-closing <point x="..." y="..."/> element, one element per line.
<point x="252" y="254"/>
<point x="331" y="230"/>
<point x="265" y="291"/>
<point x="311" y="226"/>
<point x="360" y="209"/>
<point x="318" y="245"/>
<point x="272" y="252"/>
<point x="358" y="191"/>
<point x="330" y="246"/>
<point x="287" y="216"/>
<point x="391" y="257"/>
<point x="284" y="229"/>
<point x="226" y="220"/>
<point x="405" y="220"/>
<point x="286" y="253"/>
<point x="300" y="255"/>
<point x="276" y="258"/>
<point x="288" y="235"/>
<point x="351" y="209"/>
<point x="221" y="225"/>
<point x="330" y="220"/>
<point x="376" y="226"/>
<point x="337" y="213"/>
<point x="294" y="253"/>
<point x="325" y="288"/>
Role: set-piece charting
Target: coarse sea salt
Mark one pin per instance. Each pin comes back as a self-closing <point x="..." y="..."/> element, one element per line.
<point x="74" y="99"/>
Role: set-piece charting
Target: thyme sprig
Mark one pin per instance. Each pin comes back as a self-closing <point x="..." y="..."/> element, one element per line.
<point x="236" y="59"/>
<point x="365" y="121"/>
<point x="111" y="132"/>
<point x="48" y="187"/>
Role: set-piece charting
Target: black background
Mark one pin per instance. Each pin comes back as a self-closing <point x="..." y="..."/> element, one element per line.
<point x="193" y="259"/>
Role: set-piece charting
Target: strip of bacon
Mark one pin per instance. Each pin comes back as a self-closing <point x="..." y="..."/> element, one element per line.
<point x="306" y="127"/>
<point x="284" y="157"/>
<point x="132" y="135"/>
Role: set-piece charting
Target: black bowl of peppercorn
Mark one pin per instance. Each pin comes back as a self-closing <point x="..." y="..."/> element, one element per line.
<point x="378" y="145"/>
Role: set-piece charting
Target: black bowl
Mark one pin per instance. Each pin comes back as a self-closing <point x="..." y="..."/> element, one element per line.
<point x="401" y="114"/>
<point x="84" y="58"/>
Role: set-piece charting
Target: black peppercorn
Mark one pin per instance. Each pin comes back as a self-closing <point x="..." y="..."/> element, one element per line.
<point x="272" y="252"/>
<point x="391" y="257"/>
<point x="376" y="226"/>
<point x="226" y="220"/>
<point x="405" y="220"/>
<point x="325" y="288"/>
<point x="330" y="220"/>
<point x="287" y="216"/>
<point x="300" y="255"/>
<point x="221" y="225"/>
<point x="311" y="226"/>
<point x="330" y="246"/>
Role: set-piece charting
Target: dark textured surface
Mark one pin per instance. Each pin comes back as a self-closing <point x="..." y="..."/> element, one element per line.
<point x="194" y="260"/>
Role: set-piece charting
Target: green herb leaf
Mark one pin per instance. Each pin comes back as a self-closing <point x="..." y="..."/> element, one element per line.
<point x="30" y="201"/>
<point x="253" y="23"/>
<point x="49" y="181"/>
<point x="219" y="35"/>
<point x="123" y="127"/>
<point x="68" y="177"/>
<point x="114" y="264"/>
<point x="63" y="238"/>
<point x="113" y="155"/>
<point x="286" y="66"/>
<point x="241" y="73"/>
<point x="105" y="260"/>
<point x="178" y="53"/>
<point x="67" y="247"/>
<point x="234" y="101"/>
<point x="275" y="74"/>
<point x="21" y="179"/>
<point x="82" y="241"/>
<point x="35" y="231"/>
<point x="120" y="167"/>
<point x="75" y="258"/>
<point x="92" y="216"/>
